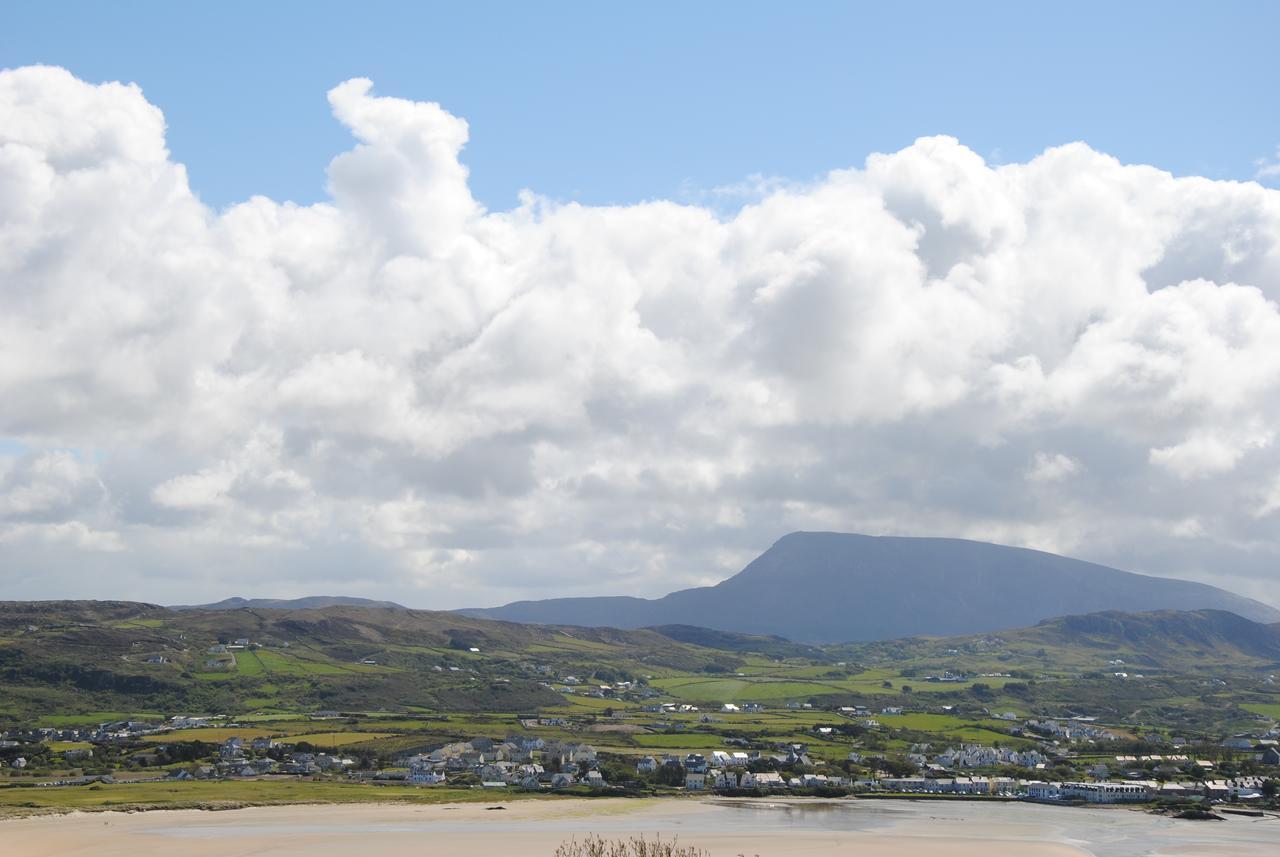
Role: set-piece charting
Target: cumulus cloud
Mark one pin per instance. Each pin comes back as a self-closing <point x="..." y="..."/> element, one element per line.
<point x="400" y="393"/>
<point x="1052" y="467"/>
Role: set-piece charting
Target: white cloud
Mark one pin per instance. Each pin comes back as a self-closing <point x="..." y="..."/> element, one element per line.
<point x="1052" y="467"/>
<point x="1207" y="454"/>
<point x="400" y="393"/>
<point x="1268" y="167"/>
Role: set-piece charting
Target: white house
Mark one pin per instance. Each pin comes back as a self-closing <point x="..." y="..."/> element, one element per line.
<point x="1043" y="791"/>
<point x="763" y="780"/>
<point x="1107" y="792"/>
<point x="724" y="779"/>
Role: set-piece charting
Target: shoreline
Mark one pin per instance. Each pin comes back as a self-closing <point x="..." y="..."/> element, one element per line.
<point x="473" y="828"/>
<point x="722" y="826"/>
<point x="412" y="800"/>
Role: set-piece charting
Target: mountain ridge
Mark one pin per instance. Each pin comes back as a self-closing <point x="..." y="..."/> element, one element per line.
<point x="840" y="587"/>
<point x="306" y="602"/>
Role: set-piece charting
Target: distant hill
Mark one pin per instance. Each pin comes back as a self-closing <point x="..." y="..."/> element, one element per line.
<point x="836" y="587"/>
<point x="310" y="602"/>
<point x="727" y="641"/>
<point x="1178" y="641"/>
<point x="1165" y="636"/>
<point x="72" y="656"/>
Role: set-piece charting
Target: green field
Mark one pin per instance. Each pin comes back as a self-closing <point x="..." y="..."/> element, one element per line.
<point x="22" y="801"/>
<point x="1266" y="709"/>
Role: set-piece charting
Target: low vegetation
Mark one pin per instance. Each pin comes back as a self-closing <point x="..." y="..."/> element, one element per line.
<point x="91" y="690"/>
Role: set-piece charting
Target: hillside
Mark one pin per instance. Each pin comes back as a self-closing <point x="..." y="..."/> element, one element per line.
<point x="1163" y="641"/>
<point x="97" y="661"/>
<point x="310" y="602"/>
<point x="89" y="655"/>
<point x="1167" y="638"/>
<point x="835" y="587"/>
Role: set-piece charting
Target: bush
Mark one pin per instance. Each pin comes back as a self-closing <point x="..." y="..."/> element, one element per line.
<point x="636" y="846"/>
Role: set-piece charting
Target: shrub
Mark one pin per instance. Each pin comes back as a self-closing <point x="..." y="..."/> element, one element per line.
<point x="636" y="846"/>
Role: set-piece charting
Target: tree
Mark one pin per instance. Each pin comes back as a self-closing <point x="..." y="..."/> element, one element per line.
<point x="670" y="774"/>
<point x="897" y="767"/>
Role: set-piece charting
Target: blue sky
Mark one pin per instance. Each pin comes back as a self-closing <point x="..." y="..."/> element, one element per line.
<point x="396" y="395"/>
<point x="606" y="103"/>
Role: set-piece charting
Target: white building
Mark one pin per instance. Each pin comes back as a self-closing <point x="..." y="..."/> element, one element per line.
<point x="1107" y="792"/>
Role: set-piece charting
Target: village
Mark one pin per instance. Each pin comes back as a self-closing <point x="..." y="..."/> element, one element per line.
<point x="1060" y="770"/>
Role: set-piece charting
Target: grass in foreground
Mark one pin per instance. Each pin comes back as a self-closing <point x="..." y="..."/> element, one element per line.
<point x="637" y="846"/>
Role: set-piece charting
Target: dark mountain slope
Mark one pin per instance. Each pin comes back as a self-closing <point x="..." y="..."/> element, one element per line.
<point x="1165" y="635"/>
<point x="834" y="587"/>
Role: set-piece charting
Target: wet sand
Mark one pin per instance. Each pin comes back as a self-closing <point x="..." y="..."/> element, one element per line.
<point x="726" y="829"/>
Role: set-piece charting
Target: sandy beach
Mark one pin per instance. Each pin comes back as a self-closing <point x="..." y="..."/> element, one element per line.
<point x="772" y="829"/>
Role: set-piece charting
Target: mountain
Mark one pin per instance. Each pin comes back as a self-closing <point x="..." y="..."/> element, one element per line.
<point x="311" y="602"/>
<point x="837" y="587"/>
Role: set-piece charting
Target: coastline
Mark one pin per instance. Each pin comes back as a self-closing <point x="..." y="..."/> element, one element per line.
<point x="783" y="826"/>
<point x="535" y="827"/>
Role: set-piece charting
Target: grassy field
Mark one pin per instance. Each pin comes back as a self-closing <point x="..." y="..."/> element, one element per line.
<point x="1266" y="709"/>
<point x="338" y="739"/>
<point x="21" y="801"/>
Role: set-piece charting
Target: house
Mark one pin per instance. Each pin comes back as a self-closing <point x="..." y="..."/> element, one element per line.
<point x="647" y="765"/>
<point x="724" y="780"/>
<point x="1271" y="756"/>
<point x="422" y="771"/>
<point x="232" y="750"/>
<point x="768" y="780"/>
<point x="19" y="762"/>
<point x="593" y="778"/>
<point x="696" y="763"/>
<point x="561" y="781"/>
<point x="494" y="771"/>
<point x="426" y="778"/>
<point x="695" y="781"/>
<point x="1107" y="792"/>
<point x="327" y="762"/>
<point x="1043" y="791"/>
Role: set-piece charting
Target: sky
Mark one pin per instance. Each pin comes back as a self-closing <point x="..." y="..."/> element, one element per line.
<point x="458" y="306"/>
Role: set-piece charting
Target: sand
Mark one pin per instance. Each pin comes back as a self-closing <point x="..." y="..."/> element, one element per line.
<point x="535" y="828"/>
